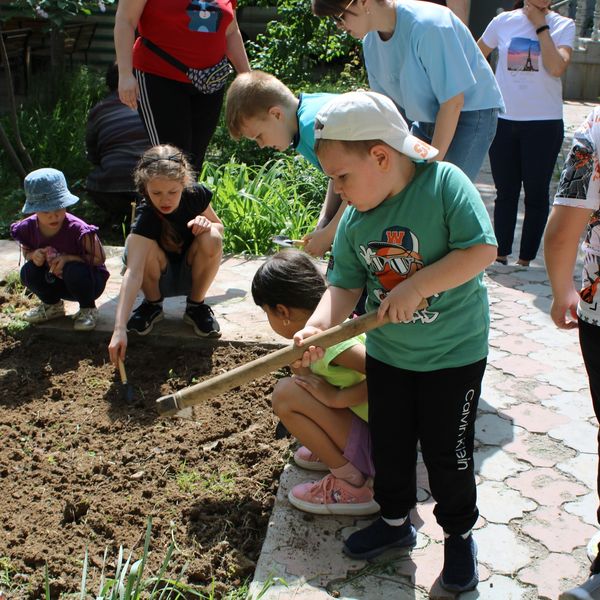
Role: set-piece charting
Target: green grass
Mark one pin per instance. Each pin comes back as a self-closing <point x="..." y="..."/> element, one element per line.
<point x="128" y="581"/>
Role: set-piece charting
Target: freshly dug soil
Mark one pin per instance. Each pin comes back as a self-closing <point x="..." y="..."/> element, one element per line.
<point x="80" y="468"/>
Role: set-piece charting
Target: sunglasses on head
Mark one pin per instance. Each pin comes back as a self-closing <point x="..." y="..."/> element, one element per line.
<point x="178" y="158"/>
<point x="339" y="19"/>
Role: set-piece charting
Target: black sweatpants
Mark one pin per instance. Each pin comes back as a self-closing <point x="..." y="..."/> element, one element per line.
<point x="589" y="338"/>
<point x="80" y="282"/>
<point x="179" y="114"/>
<point x="439" y="409"/>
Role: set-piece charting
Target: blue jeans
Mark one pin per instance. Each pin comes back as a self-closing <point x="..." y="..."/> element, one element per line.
<point x="523" y="152"/>
<point x="474" y="133"/>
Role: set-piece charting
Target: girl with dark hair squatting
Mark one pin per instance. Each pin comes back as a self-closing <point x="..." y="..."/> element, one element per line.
<point x="324" y="405"/>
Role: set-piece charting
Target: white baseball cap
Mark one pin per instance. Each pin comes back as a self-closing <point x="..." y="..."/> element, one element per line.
<point x="357" y="116"/>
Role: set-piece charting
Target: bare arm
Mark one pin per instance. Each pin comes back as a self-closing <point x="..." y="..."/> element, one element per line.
<point x="236" y="52"/>
<point x="126" y="20"/>
<point x="454" y="269"/>
<point x="485" y="49"/>
<point x="460" y="8"/>
<point x="93" y="252"/>
<point x="445" y="124"/>
<point x="561" y="241"/>
<point x="352" y="358"/>
<point x="556" y="60"/>
<point x="319" y="241"/>
<point x="137" y="248"/>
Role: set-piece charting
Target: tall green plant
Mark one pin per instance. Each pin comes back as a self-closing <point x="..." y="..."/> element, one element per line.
<point x="281" y="197"/>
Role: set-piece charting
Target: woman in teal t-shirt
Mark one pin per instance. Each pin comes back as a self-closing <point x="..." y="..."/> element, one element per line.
<point x="324" y="406"/>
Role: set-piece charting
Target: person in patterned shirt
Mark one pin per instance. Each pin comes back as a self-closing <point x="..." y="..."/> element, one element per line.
<point x="577" y="210"/>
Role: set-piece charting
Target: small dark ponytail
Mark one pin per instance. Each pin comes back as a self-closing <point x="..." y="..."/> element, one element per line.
<point x="518" y="4"/>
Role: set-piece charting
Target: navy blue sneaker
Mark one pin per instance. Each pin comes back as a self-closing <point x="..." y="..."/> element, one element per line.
<point x="460" y="564"/>
<point x="144" y="316"/>
<point x="378" y="537"/>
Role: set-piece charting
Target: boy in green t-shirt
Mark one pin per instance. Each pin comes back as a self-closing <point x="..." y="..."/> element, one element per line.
<point x="413" y="231"/>
<point x="263" y="109"/>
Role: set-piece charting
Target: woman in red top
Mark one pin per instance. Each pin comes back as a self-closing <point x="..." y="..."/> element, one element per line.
<point x="199" y="34"/>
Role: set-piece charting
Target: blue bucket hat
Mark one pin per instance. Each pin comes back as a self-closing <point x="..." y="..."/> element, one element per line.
<point x="46" y="190"/>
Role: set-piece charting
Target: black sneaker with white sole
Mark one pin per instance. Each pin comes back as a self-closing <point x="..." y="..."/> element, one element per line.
<point x="202" y="318"/>
<point x="144" y="316"/>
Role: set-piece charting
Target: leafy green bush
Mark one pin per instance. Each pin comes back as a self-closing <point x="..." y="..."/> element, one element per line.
<point x="298" y="43"/>
<point x="281" y="197"/>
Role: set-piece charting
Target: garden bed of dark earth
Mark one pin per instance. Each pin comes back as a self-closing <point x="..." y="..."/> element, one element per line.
<point x="80" y="468"/>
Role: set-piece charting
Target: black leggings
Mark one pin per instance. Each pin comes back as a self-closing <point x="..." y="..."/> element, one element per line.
<point x="439" y="409"/>
<point x="80" y="282"/>
<point x="589" y="338"/>
<point x="523" y="152"/>
<point x="179" y="114"/>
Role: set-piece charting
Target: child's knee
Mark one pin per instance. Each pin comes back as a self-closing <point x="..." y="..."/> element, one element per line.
<point x="280" y="399"/>
<point x="209" y="244"/>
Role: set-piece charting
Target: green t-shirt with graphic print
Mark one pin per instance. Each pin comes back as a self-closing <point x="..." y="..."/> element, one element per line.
<point x="440" y="210"/>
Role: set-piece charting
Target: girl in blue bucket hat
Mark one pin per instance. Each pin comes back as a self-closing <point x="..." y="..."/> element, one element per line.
<point x="64" y="257"/>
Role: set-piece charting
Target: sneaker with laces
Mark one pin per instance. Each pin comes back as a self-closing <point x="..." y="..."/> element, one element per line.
<point x="45" y="312"/>
<point x="202" y="318"/>
<point x="378" y="537"/>
<point x="460" y="564"/>
<point x="85" y="319"/>
<point x="333" y="496"/>
<point x="304" y="458"/>
<point x="144" y="316"/>
<point x="590" y="590"/>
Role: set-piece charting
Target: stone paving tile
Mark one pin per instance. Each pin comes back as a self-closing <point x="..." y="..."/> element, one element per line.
<point x="557" y="530"/>
<point x="584" y="507"/>
<point x="501" y="549"/>
<point x="520" y="366"/>
<point x="536" y="449"/>
<point x="516" y="344"/>
<point x="568" y="380"/>
<point x="495" y="465"/>
<point x="583" y="467"/>
<point x="573" y="405"/>
<point x="501" y="588"/>
<point x="557" y="356"/>
<point x="545" y="392"/>
<point x="549" y="587"/>
<point x="508" y="308"/>
<point x="546" y="486"/>
<point x="493" y="430"/>
<point x="579" y="435"/>
<point x="534" y="418"/>
<point x="513" y="325"/>
<point x="551" y="337"/>
<point x="499" y="504"/>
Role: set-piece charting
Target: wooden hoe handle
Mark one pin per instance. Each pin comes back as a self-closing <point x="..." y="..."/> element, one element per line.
<point x="195" y="394"/>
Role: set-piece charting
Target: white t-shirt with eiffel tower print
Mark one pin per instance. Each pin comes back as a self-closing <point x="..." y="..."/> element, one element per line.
<point x="530" y="93"/>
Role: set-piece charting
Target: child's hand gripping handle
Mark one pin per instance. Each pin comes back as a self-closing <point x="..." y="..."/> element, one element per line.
<point x="194" y="394"/>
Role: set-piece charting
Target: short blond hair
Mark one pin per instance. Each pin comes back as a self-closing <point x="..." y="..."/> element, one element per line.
<point x="251" y="95"/>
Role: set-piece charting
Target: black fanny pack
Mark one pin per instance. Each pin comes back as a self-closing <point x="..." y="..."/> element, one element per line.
<point x="208" y="80"/>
